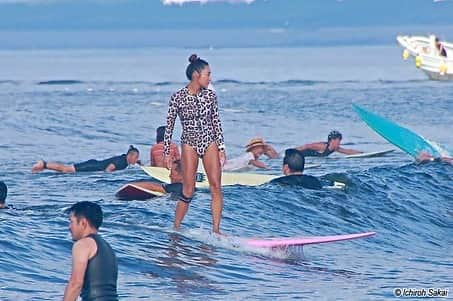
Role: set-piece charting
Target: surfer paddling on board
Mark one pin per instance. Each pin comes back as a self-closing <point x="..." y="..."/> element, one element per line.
<point x="94" y="265"/>
<point x="293" y="168"/>
<point x="175" y="185"/>
<point x="424" y="157"/>
<point x="202" y="137"/>
<point x="253" y="151"/>
<point x="156" y="154"/>
<point x="323" y="149"/>
<point x="108" y="165"/>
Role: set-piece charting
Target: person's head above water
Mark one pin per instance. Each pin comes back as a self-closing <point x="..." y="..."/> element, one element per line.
<point x="293" y="162"/>
<point x="160" y="132"/>
<point x="334" y="139"/>
<point x="3" y="194"/>
<point x="176" y="172"/>
<point x="198" y="71"/>
<point x="132" y="155"/>
<point x="85" y="218"/>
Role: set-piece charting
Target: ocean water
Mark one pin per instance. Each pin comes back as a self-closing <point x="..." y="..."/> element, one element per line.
<point x="74" y="105"/>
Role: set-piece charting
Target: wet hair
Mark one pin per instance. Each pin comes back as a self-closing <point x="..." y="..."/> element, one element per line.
<point x="334" y="135"/>
<point x="132" y="149"/>
<point x="294" y="159"/>
<point x="178" y="166"/>
<point x="3" y="192"/>
<point x="160" y="132"/>
<point x="89" y="210"/>
<point x="196" y="64"/>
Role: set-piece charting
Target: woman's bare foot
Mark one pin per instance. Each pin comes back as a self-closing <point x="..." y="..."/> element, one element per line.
<point x="39" y="166"/>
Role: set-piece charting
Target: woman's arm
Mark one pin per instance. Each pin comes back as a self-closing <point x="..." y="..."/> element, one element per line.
<point x="217" y="124"/>
<point x="171" y="117"/>
<point x="258" y="164"/>
<point x="348" y="151"/>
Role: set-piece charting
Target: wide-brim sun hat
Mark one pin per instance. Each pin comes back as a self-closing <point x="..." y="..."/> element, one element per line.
<point x="254" y="142"/>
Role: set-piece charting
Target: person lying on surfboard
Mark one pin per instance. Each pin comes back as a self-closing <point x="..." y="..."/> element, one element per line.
<point x="293" y="168"/>
<point x="156" y="154"/>
<point x="108" y="165"/>
<point x="323" y="149"/>
<point x="175" y="185"/>
<point x="424" y="157"/>
<point x="253" y="151"/>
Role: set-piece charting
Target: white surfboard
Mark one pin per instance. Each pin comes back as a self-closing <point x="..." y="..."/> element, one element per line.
<point x="228" y="178"/>
<point x="370" y="154"/>
<point x="284" y="242"/>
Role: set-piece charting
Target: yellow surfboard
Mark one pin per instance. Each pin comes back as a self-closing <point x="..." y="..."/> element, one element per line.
<point x="228" y="178"/>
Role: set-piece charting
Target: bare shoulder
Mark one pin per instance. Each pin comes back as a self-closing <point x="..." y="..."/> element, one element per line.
<point x="85" y="247"/>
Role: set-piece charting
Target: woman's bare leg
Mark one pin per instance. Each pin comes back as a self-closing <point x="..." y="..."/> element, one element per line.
<point x="213" y="170"/>
<point x="189" y="164"/>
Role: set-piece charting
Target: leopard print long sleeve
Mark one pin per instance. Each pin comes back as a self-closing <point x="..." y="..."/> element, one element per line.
<point x="200" y="120"/>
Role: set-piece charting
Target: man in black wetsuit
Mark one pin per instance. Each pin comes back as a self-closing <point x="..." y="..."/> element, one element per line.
<point x="94" y="265"/>
<point x="293" y="168"/>
<point x="109" y="165"/>
<point x="3" y="194"/>
<point x="323" y="149"/>
<point x="175" y="179"/>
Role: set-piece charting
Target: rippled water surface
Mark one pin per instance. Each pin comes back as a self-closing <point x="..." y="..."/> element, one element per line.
<point x="71" y="106"/>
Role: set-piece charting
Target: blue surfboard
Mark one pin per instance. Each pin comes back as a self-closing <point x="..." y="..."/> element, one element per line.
<point x="401" y="137"/>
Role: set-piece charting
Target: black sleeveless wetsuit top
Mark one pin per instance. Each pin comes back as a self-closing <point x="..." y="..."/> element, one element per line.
<point x="314" y="153"/>
<point x="101" y="274"/>
<point x="120" y="163"/>
<point x="305" y="181"/>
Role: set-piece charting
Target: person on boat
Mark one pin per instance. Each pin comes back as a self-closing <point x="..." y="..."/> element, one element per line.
<point x="175" y="185"/>
<point x="440" y="48"/>
<point x="293" y="168"/>
<point x="253" y="151"/>
<point x="323" y="149"/>
<point x="109" y="165"/>
<point x="3" y="194"/>
<point x="202" y="137"/>
<point x="94" y="273"/>
<point x="425" y="157"/>
<point x="156" y="154"/>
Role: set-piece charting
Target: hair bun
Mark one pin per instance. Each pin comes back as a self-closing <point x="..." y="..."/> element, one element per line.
<point x="193" y="58"/>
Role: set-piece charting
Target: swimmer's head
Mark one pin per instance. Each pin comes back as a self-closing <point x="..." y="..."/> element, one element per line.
<point x="176" y="172"/>
<point x="160" y="132"/>
<point x="293" y="161"/>
<point x="334" y="139"/>
<point x="132" y="155"/>
<point x="3" y="194"/>
<point x="198" y="70"/>
<point x="84" y="217"/>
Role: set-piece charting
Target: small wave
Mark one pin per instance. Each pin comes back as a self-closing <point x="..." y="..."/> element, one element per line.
<point x="60" y="82"/>
<point x="10" y="82"/>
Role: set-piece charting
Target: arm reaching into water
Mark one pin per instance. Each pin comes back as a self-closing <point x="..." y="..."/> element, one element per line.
<point x="258" y="164"/>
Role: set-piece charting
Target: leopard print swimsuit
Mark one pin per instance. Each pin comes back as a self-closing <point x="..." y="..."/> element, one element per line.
<point x="200" y="120"/>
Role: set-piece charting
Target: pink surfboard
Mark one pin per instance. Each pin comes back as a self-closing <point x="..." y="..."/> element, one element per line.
<point x="301" y="241"/>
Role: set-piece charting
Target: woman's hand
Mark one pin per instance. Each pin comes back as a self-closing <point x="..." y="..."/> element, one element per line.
<point x="222" y="158"/>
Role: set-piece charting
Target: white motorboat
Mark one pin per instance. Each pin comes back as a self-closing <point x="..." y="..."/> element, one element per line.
<point x="426" y="52"/>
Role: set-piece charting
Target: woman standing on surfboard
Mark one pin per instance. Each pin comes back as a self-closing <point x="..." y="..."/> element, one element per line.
<point x="323" y="149"/>
<point x="202" y="137"/>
